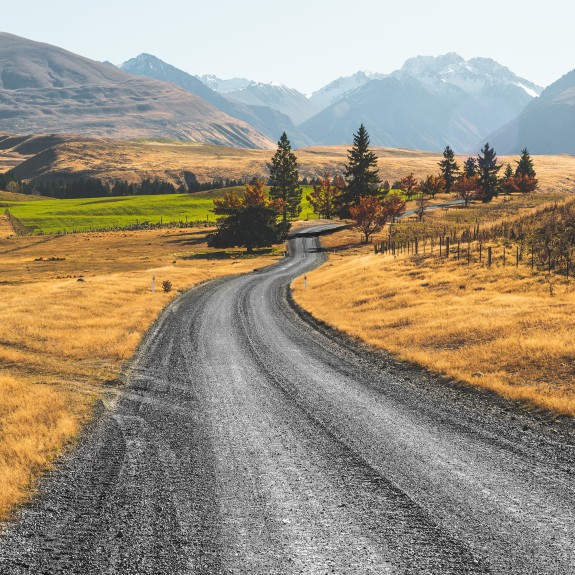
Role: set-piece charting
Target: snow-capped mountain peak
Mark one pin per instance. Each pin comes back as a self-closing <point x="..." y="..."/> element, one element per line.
<point x="472" y="76"/>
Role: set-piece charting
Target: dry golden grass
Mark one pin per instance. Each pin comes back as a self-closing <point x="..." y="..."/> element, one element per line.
<point x="135" y="160"/>
<point x="495" y="328"/>
<point x="60" y="339"/>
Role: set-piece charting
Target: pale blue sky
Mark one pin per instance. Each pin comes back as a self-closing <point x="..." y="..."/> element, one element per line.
<point x="304" y="43"/>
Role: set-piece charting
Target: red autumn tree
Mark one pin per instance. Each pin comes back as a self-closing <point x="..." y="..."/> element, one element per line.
<point x="368" y="216"/>
<point x="432" y="185"/>
<point x="393" y="206"/>
<point x="409" y="185"/>
<point x="249" y="221"/>
<point x="524" y="183"/>
<point x="467" y="188"/>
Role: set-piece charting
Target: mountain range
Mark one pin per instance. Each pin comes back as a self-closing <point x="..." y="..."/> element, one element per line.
<point x="427" y="104"/>
<point x="268" y="120"/>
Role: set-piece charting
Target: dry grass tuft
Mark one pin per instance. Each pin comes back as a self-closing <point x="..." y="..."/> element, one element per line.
<point x="61" y="339"/>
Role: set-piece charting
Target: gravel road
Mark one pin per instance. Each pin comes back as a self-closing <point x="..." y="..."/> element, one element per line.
<point x="250" y="440"/>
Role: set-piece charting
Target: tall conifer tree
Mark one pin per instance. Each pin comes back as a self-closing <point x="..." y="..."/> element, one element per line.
<point x="470" y="167"/>
<point x="284" y="179"/>
<point x="361" y="173"/>
<point x="525" y="165"/>
<point x="488" y="170"/>
<point x="449" y="168"/>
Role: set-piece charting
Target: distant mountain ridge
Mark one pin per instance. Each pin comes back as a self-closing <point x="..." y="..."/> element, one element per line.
<point x="224" y="86"/>
<point x="278" y="97"/>
<point x="269" y="121"/>
<point x="342" y="87"/>
<point x="545" y="126"/>
<point x="430" y="102"/>
<point x="44" y="88"/>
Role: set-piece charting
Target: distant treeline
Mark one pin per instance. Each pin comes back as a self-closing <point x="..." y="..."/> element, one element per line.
<point x="86" y="187"/>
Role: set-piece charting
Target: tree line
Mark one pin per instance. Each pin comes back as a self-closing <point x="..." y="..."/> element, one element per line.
<point x="357" y="194"/>
<point x="87" y="187"/>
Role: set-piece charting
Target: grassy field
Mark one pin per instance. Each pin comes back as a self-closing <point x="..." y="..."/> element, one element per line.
<point x="74" y="308"/>
<point x="53" y="216"/>
<point x="58" y="216"/>
<point x="506" y="329"/>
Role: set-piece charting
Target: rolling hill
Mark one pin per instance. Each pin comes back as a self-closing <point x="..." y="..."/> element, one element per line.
<point x="47" y="89"/>
<point x="112" y="160"/>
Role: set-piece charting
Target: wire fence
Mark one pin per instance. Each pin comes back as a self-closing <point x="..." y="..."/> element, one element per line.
<point x="479" y="252"/>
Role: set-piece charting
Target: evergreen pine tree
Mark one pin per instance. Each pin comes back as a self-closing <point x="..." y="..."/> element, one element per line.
<point x="284" y="179"/>
<point x="508" y="173"/>
<point x="470" y="167"/>
<point x="488" y="170"/>
<point x="361" y="173"/>
<point x="449" y="168"/>
<point x="525" y="165"/>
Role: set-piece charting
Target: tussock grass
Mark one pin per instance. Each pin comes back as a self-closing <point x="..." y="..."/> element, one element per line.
<point x="61" y="339"/>
<point x="497" y="328"/>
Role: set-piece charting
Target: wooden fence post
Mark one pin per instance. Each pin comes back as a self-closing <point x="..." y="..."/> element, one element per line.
<point x="489" y="256"/>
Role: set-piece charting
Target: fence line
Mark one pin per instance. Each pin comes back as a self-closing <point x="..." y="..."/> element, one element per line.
<point x="476" y="252"/>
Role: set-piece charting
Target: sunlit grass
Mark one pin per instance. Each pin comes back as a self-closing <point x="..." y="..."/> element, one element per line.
<point x="61" y="339"/>
<point x="498" y="328"/>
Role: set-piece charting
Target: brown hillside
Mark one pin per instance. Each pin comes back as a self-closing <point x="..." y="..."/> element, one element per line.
<point x="134" y="160"/>
<point x="46" y="89"/>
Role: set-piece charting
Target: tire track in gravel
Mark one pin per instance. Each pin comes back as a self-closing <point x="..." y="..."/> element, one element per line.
<point x="251" y="439"/>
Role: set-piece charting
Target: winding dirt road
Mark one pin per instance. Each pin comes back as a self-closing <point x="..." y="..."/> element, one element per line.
<point x="249" y="440"/>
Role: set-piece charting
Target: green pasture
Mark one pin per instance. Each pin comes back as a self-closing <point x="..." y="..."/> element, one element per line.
<point x="78" y="215"/>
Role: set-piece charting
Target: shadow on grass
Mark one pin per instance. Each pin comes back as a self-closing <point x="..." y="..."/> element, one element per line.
<point x="190" y="239"/>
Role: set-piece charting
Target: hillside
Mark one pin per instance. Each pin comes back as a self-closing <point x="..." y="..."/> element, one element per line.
<point x="546" y="126"/>
<point x="133" y="161"/>
<point x="46" y="89"/>
<point x="267" y="120"/>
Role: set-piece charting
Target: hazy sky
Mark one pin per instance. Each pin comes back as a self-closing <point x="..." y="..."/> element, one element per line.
<point x="304" y="43"/>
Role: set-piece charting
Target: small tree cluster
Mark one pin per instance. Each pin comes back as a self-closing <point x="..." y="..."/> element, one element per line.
<point x="480" y="176"/>
<point x="372" y="214"/>
<point x="249" y="221"/>
<point x="326" y="195"/>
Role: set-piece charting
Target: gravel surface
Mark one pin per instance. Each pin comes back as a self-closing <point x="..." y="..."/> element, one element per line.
<point x="250" y="439"/>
